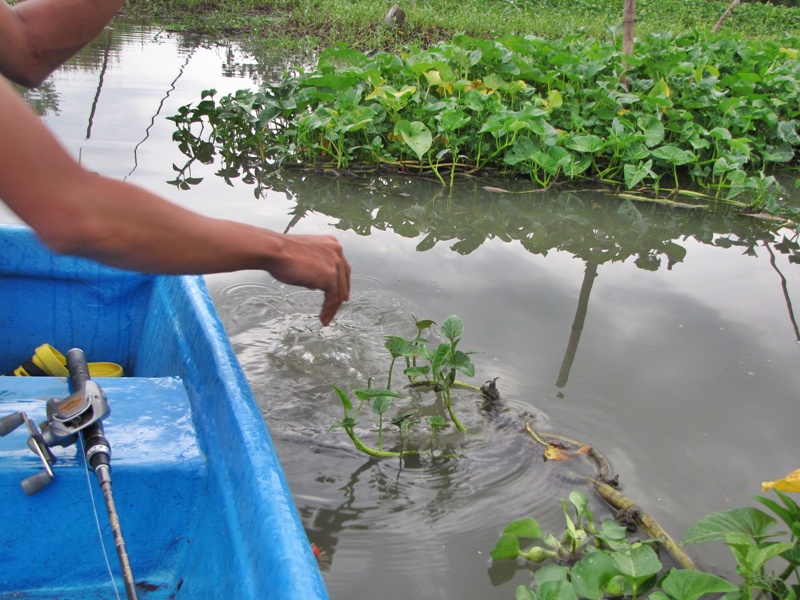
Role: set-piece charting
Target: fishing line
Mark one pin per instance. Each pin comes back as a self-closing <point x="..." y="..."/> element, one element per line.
<point x="97" y="519"/>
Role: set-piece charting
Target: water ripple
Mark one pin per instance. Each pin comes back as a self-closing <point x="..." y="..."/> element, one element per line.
<point x="451" y="486"/>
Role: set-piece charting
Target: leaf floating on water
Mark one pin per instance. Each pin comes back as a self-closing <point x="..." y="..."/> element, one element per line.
<point x="557" y="451"/>
<point x="790" y="483"/>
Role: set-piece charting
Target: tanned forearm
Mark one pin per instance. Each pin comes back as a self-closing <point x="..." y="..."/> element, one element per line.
<point x="37" y="36"/>
<point x="77" y="212"/>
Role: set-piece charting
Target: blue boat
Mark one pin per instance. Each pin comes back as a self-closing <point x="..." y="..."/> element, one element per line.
<point x="201" y="497"/>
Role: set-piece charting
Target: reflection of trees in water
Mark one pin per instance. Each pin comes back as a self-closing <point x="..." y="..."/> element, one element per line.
<point x="43" y="99"/>
<point x="104" y="54"/>
<point x="588" y="226"/>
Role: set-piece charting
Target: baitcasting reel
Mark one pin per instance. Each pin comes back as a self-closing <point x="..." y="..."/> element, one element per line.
<point x="66" y="419"/>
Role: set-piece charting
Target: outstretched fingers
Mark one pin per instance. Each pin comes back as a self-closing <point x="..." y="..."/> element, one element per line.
<point x="339" y="292"/>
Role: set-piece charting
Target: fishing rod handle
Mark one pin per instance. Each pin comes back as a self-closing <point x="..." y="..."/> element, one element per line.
<point x="78" y="368"/>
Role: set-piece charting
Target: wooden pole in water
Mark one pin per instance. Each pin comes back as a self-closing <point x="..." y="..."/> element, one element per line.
<point x="628" y="21"/>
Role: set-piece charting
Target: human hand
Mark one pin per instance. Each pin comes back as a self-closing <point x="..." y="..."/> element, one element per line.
<point x="316" y="262"/>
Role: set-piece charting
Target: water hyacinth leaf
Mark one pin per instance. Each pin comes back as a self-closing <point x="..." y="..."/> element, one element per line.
<point x="424" y="324"/>
<point x="716" y="526"/>
<point x="720" y="133"/>
<point x="614" y="535"/>
<point x="554" y="100"/>
<point x="356" y="120"/>
<point x="346" y="423"/>
<point x="546" y="132"/>
<point x="556" y="590"/>
<point x="319" y="118"/>
<point x="787" y="131"/>
<point x="673" y="155"/>
<point x="722" y="166"/>
<point x="790" y="483"/>
<point x="782" y="154"/>
<point x="507" y="547"/>
<point x="398" y="346"/>
<point x="525" y="528"/>
<point x="652" y="128"/>
<point x="575" y="165"/>
<point x="418" y="371"/>
<point x="348" y="405"/>
<point x="591" y="575"/>
<point x="524" y="593"/>
<point x="687" y="584"/>
<point x="370" y="393"/>
<point x="439" y="357"/>
<point x="453" y="328"/>
<point x="445" y="72"/>
<point x="626" y="98"/>
<point x="434" y="77"/>
<point x="639" y="563"/>
<point x="789" y="515"/>
<point x="585" y="143"/>
<point x="451" y="120"/>
<point x="334" y="81"/>
<point x="381" y="404"/>
<point x="437" y="422"/>
<point x="634" y="174"/>
<point x="635" y="152"/>
<point x="660" y="89"/>
<point x="580" y="502"/>
<point x="740" y="145"/>
<point x="462" y="362"/>
<point x="494" y="81"/>
<point x="522" y="150"/>
<point x="551" y="573"/>
<point x="545" y="161"/>
<point x="763" y="555"/>
<point x="416" y="135"/>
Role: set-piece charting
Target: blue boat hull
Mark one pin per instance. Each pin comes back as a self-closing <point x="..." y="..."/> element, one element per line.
<point x="201" y="496"/>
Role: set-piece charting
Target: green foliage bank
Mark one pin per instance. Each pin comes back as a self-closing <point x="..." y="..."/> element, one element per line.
<point x="700" y="115"/>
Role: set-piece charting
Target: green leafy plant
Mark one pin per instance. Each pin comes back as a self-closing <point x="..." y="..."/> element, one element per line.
<point x="427" y="366"/>
<point x="597" y="562"/>
<point x="711" y="115"/>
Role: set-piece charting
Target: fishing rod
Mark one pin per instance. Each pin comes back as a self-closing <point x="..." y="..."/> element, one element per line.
<point x="97" y="451"/>
<point x="78" y="416"/>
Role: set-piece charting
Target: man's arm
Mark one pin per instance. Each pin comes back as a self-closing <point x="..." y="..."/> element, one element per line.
<point x="77" y="212"/>
<point x="37" y="36"/>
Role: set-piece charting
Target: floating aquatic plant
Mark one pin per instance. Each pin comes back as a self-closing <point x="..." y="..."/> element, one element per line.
<point x="700" y="112"/>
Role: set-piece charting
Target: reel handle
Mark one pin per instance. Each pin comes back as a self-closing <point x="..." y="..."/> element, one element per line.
<point x="10" y="422"/>
<point x="36" y="483"/>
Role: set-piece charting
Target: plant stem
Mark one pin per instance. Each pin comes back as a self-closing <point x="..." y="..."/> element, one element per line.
<point x="374" y="451"/>
<point x="449" y="405"/>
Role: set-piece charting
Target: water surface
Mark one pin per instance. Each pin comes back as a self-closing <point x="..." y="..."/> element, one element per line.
<point x="664" y="339"/>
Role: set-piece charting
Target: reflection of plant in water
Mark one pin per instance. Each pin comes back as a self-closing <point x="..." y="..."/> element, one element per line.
<point x="426" y="366"/>
<point x="597" y="562"/>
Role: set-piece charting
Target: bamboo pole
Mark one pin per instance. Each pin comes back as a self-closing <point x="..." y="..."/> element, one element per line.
<point x="724" y="16"/>
<point x="628" y="21"/>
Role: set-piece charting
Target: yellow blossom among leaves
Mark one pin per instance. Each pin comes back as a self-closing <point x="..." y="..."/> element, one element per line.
<point x="790" y="483"/>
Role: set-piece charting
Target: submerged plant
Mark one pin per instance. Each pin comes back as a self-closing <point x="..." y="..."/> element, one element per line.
<point x="426" y="366"/>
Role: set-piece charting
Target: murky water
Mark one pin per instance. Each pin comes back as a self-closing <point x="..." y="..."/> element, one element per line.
<point x="664" y="339"/>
